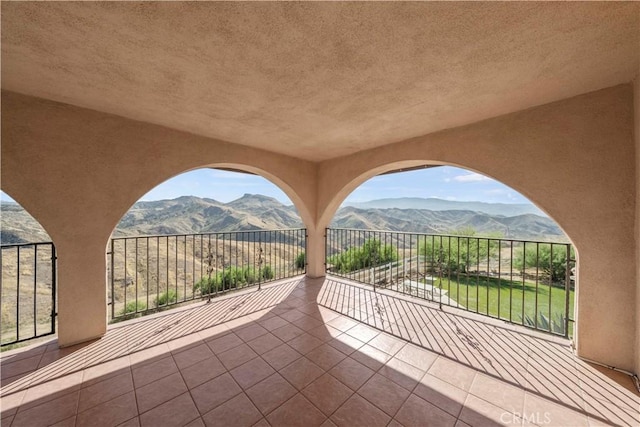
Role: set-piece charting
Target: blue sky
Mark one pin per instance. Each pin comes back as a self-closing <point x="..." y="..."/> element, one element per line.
<point x="445" y="182"/>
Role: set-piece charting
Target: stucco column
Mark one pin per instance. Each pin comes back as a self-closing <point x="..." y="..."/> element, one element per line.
<point x="315" y="252"/>
<point x="82" y="298"/>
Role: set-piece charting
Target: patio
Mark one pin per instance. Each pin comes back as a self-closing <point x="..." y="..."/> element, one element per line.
<point x="313" y="352"/>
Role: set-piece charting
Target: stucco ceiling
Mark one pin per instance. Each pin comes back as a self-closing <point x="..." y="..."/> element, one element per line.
<point x="315" y="80"/>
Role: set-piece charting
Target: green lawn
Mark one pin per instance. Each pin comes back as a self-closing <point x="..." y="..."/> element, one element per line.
<point x="504" y="298"/>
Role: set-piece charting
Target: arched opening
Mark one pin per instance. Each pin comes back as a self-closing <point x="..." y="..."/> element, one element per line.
<point x="199" y="235"/>
<point x="28" y="279"/>
<point x="457" y="238"/>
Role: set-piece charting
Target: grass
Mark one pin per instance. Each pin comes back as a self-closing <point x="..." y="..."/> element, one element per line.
<point x="506" y="299"/>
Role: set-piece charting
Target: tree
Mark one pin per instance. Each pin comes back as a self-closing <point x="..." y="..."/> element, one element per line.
<point x="370" y="254"/>
<point x="459" y="252"/>
<point x="549" y="258"/>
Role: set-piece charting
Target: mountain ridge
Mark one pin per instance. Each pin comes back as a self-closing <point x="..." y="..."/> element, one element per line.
<point x="193" y="215"/>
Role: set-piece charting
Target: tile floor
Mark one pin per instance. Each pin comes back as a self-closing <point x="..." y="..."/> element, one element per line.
<point x="308" y="352"/>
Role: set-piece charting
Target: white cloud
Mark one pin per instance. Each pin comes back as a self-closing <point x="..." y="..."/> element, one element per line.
<point x="471" y="177"/>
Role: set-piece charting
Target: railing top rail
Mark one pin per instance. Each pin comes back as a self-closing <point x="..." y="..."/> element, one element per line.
<point x="207" y="234"/>
<point x="13" y="245"/>
<point x="451" y="235"/>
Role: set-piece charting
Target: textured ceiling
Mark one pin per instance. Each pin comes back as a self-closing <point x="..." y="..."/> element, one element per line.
<point x="315" y="80"/>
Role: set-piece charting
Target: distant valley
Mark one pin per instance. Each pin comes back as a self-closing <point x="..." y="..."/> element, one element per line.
<point x="189" y="214"/>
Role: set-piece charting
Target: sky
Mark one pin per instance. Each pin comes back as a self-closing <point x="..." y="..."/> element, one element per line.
<point x="444" y="182"/>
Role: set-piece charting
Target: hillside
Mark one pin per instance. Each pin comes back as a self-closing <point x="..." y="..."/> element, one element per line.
<point x="434" y="204"/>
<point x="188" y="215"/>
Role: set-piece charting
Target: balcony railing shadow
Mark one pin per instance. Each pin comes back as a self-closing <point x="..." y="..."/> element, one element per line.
<point x="442" y="364"/>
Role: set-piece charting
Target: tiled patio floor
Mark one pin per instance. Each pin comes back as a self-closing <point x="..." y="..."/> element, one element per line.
<point x="313" y="352"/>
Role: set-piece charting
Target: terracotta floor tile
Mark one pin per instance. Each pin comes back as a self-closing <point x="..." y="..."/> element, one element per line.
<point x="102" y="371"/>
<point x="308" y="323"/>
<point x="104" y="391"/>
<point x="250" y="332"/>
<point x="109" y="413"/>
<point x="537" y="408"/>
<point x="363" y="332"/>
<point x="191" y="356"/>
<point x="498" y="393"/>
<point x="262" y="423"/>
<point x="305" y="343"/>
<point x="477" y="412"/>
<point x="149" y="355"/>
<point x="237" y="412"/>
<point x="237" y="356"/>
<point x="387" y="343"/>
<point x="292" y="315"/>
<point x="452" y="372"/>
<point x="176" y="412"/>
<point x="287" y="332"/>
<point x="418" y="412"/>
<point x="264" y="343"/>
<point x="442" y="394"/>
<point x="198" y="422"/>
<point x="251" y="372"/>
<point x="48" y="413"/>
<point x="358" y="412"/>
<point x="44" y="392"/>
<point x="325" y="332"/>
<point x="224" y="343"/>
<point x="202" y="371"/>
<point x="159" y="392"/>
<point x="342" y="323"/>
<point x="351" y="373"/>
<point x="270" y="393"/>
<point x="281" y="356"/>
<point x="69" y="422"/>
<point x="325" y="356"/>
<point x="301" y="372"/>
<point x="21" y="366"/>
<point x="371" y="357"/>
<point x="327" y="393"/>
<point x="214" y="332"/>
<point x="416" y="356"/>
<point x="154" y="371"/>
<point x="272" y="323"/>
<point x="297" y="411"/>
<point x="346" y="344"/>
<point x="384" y="393"/>
<point x="185" y="342"/>
<point x="133" y="422"/>
<point x="402" y="373"/>
<point x="215" y="392"/>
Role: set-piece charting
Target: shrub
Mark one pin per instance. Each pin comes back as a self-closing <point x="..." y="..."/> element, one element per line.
<point x="132" y="308"/>
<point x="553" y="265"/>
<point x="266" y="273"/>
<point x="455" y="254"/>
<point x="370" y="254"/>
<point x="233" y="277"/>
<point x="166" y="298"/>
<point x="301" y="261"/>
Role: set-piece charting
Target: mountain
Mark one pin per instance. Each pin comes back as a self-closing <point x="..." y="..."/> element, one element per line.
<point x="434" y="204"/>
<point x="189" y="214"/>
<point x="525" y="226"/>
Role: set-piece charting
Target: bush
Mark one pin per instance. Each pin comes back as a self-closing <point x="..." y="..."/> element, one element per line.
<point x="370" y="254"/>
<point x="455" y="254"/>
<point x="233" y="277"/>
<point x="132" y="308"/>
<point x="553" y="266"/>
<point x="166" y="298"/>
<point x="301" y="261"/>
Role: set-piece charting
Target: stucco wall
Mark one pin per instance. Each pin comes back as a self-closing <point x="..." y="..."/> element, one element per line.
<point x="575" y="159"/>
<point x="78" y="171"/>
<point x="637" y="137"/>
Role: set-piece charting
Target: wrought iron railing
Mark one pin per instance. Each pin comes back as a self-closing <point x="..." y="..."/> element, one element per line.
<point x="27" y="291"/>
<point x="530" y="283"/>
<point x="151" y="273"/>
